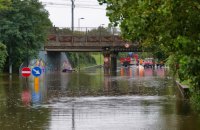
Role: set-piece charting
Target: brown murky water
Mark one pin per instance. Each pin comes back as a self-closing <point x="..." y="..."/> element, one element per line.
<point x="135" y="99"/>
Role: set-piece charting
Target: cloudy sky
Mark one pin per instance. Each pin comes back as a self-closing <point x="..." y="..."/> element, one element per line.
<point x="60" y="13"/>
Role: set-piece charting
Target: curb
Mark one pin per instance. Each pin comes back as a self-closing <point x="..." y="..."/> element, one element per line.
<point x="184" y="89"/>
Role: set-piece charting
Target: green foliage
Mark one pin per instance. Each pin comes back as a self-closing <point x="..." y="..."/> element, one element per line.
<point x="195" y="98"/>
<point x="100" y="31"/>
<point x="24" y="29"/>
<point x="65" y="31"/>
<point x="165" y="27"/>
<point x="172" y="62"/>
<point x="4" y="4"/>
<point x="122" y="54"/>
<point x="3" y="55"/>
<point x="84" y="31"/>
<point x="141" y="21"/>
<point x="81" y="58"/>
<point x="98" y="58"/>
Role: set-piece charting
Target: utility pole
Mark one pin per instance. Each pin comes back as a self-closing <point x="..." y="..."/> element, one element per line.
<point x="10" y="59"/>
<point x="73" y="6"/>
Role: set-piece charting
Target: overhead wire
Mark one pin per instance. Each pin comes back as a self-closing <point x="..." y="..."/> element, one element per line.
<point x="52" y="3"/>
<point x="89" y="6"/>
<point x="84" y="1"/>
<point x="78" y="5"/>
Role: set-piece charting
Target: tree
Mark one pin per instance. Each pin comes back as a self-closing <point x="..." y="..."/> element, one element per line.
<point x="139" y="21"/>
<point x="24" y="29"/>
<point x="4" y="4"/>
<point x="80" y="59"/>
<point x="3" y="55"/>
<point x="168" y="27"/>
<point x="100" y="31"/>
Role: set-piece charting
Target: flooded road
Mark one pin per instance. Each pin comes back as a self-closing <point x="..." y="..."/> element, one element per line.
<point x="134" y="99"/>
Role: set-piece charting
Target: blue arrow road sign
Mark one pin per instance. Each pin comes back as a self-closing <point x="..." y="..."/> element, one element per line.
<point x="36" y="71"/>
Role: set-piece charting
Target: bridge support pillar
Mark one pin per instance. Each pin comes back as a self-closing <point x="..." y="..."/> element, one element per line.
<point x="106" y="63"/>
<point x="114" y="63"/>
<point x="110" y="63"/>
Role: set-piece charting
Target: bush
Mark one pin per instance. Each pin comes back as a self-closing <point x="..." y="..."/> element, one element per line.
<point x="81" y="58"/>
<point x="195" y="100"/>
<point x="3" y="56"/>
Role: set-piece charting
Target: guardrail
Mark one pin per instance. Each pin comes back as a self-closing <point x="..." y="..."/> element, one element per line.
<point x="74" y="38"/>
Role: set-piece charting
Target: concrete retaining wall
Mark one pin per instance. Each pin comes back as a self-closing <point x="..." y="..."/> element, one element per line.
<point x="184" y="89"/>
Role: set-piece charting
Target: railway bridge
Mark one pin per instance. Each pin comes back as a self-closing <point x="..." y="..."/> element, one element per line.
<point x="107" y="41"/>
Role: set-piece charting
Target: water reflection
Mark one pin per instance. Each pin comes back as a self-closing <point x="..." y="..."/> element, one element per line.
<point x="136" y="98"/>
<point x="26" y="97"/>
<point x="130" y="112"/>
<point x="140" y="71"/>
<point x="16" y="112"/>
<point x="129" y="80"/>
<point x="125" y="71"/>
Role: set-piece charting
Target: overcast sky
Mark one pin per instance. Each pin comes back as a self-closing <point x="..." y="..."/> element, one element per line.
<point x="60" y="13"/>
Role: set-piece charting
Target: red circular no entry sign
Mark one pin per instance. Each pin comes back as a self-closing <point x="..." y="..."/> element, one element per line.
<point x="127" y="45"/>
<point x="26" y="72"/>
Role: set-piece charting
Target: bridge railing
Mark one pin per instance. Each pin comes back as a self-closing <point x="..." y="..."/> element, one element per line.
<point x="86" y="31"/>
<point x="88" y="39"/>
<point x="88" y="35"/>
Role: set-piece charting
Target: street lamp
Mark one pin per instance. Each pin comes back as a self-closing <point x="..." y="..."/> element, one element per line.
<point x="101" y="25"/>
<point x="79" y="19"/>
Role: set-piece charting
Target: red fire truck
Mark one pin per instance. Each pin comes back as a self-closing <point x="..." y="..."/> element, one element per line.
<point x="125" y="61"/>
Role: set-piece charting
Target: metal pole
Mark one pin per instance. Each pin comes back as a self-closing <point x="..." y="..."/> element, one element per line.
<point x="79" y="23"/>
<point x="27" y="54"/>
<point x="100" y="58"/>
<point x="79" y="19"/>
<point x="73" y="117"/>
<point x="100" y="29"/>
<point x="73" y="15"/>
<point x="78" y="62"/>
<point x="10" y="59"/>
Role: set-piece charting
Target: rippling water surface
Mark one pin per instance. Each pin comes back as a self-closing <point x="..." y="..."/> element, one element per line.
<point x="134" y="99"/>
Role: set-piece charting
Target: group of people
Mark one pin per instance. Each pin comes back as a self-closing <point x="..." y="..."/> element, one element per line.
<point x="151" y="63"/>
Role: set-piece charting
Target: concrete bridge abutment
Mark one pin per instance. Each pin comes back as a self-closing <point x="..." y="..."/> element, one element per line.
<point x="110" y="62"/>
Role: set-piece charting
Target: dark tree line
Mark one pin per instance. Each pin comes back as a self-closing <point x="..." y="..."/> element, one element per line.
<point x="24" y="26"/>
<point x="168" y="27"/>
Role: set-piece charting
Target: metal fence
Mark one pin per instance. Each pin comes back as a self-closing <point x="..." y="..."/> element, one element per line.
<point x="89" y="31"/>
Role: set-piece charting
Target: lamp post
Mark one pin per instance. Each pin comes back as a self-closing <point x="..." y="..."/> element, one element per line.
<point x="79" y="19"/>
<point x="101" y="25"/>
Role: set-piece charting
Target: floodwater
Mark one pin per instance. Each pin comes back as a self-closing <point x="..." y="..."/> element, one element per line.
<point x="134" y="99"/>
